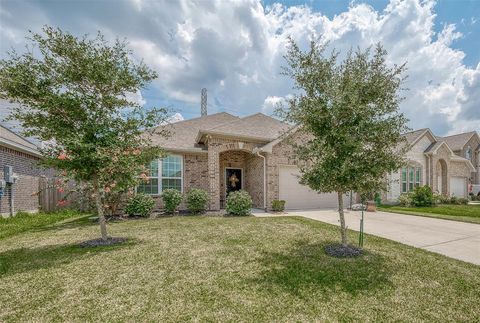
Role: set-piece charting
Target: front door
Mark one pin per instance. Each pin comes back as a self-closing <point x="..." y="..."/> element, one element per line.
<point x="233" y="177"/>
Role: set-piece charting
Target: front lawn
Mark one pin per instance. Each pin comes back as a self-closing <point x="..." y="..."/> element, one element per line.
<point x="23" y="221"/>
<point x="464" y="213"/>
<point x="227" y="269"/>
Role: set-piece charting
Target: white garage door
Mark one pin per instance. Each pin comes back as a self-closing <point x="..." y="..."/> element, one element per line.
<point x="458" y="186"/>
<point x="298" y="196"/>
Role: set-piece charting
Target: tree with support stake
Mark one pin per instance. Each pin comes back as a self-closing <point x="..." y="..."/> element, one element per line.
<point x="348" y="111"/>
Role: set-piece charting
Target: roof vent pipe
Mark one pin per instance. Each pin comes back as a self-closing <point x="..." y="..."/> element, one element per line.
<point x="204" y="103"/>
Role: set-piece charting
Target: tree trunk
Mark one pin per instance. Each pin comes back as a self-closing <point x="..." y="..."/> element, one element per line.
<point x="101" y="217"/>
<point x="343" y="228"/>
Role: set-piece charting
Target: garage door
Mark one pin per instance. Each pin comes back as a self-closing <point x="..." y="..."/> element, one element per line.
<point x="298" y="196"/>
<point x="458" y="186"/>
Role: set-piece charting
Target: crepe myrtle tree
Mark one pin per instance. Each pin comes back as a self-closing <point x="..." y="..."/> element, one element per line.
<point x="76" y="94"/>
<point x="349" y="112"/>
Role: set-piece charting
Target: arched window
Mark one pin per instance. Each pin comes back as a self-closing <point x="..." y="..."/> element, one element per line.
<point x="468" y="153"/>
<point x="411" y="177"/>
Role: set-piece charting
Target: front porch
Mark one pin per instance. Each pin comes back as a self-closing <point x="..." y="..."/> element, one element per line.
<point x="234" y="166"/>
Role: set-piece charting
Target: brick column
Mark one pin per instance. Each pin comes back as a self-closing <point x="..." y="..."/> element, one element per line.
<point x="214" y="178"/>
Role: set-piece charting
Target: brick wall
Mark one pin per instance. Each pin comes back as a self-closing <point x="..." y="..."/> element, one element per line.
<point x="254" y="179"/>
<point x="26" y="168"/>
<point x="195" y="175"/>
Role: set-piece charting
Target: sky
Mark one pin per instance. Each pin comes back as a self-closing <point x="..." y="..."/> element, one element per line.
<point x="235" y="49"/>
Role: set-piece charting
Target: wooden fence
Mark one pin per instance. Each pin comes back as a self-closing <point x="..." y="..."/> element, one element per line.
<point x="51" y="198"/>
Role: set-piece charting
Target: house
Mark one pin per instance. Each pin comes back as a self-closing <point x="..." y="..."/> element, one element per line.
<point x="19" y="193"/>
<point x="447" y="164"/>
<point x="221" y="153"/>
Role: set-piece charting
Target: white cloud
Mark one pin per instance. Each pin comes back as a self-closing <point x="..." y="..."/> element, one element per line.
<point x="235" y="50"/>
<point x="135" y="98"/>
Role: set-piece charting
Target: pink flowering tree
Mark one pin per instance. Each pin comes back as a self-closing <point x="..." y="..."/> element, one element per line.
<point x="76" y="94"/>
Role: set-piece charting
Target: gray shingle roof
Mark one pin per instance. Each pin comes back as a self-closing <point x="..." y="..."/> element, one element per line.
<point x="257" y="125"/>
<point x="413" y="135"/>
<point x="456" y="142"/>
<point x="184" y="133"/>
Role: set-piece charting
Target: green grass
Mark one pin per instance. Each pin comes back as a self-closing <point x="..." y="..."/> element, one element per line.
<point x="464" y="213"/>
<point x="23" y="221"/>
<point x="227" y="269"/>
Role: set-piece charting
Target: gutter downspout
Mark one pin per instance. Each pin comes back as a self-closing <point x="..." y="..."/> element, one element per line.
<point x="257" y="152"/>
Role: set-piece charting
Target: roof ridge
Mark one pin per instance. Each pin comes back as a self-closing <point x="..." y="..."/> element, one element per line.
<point x="460" y="134"/>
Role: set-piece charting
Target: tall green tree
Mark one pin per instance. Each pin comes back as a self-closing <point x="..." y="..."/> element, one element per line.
<point x="349" y="111"/>
<point x="76" y="94"/>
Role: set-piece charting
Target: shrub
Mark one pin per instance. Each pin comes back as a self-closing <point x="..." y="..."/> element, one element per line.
<point x="443" y="199"/>
<point x="378" y="199"/>
<point x="278" y="205"/>
<point x="171" y="200"/>
<point x="453" y="200"/>
<point x="405" y="199"/>
<point x="422" y="196"/>
<point x="140" y="205"/>
<point x="196" y="200"/>
<point x="462" y="201"/>
<point x="239" y="203"/>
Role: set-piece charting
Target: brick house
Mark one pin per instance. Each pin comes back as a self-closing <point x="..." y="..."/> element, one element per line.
<point x="447" y="164"/>
<point x="221" y="153"/>
<point x="23" y="156"/>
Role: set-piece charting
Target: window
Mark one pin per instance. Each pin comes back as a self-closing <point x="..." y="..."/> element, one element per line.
<point x="418" y="176"/>
<point x="150" y="187"/>
<point x="468" y="153"/>
<point x="172" y="173"/>
<point x="163" y="174"/>
<point x="411" y="177"/>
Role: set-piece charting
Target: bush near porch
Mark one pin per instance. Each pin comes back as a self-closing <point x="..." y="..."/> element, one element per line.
<point x="226" y="269"/>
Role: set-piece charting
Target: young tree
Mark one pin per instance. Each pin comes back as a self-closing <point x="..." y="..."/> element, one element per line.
<point x="349" y="111"/>
<point x="76" y="93"/>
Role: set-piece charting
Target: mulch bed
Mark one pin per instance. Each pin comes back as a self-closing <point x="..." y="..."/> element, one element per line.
<point x="341" y="251"/>
<point x="99" y="242"/>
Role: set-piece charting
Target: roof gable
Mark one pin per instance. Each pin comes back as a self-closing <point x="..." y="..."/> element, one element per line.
<point x="458" y="141"/>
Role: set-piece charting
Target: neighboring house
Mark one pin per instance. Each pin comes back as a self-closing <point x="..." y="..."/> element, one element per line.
<point x="221" y="153"/>
<point x="446" y="164"/>
<point x="23" y="156"/>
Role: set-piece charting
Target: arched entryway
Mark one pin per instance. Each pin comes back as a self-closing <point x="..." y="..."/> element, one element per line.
<point x="241" y="170"/>
<point x="441" y="172"/>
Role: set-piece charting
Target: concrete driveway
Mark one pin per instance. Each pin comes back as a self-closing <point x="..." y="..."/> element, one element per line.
<point x="454" y="239"/>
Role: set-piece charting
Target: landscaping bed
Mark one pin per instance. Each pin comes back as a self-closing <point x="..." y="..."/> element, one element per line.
<point x="227" y="269"/>
<point x="465" y="213"/>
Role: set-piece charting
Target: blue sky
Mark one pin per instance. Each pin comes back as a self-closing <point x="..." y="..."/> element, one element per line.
<point x="235" y="49"/>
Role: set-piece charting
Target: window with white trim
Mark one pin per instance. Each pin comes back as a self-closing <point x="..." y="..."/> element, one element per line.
<point x="163" y="174"/>
<point x="411" y="177"/>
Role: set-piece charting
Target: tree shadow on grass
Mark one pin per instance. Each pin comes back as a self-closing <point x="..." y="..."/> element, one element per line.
<point x="83" y="221"/>
<point x="28" y="259"/>
<point x="307" y="267"/>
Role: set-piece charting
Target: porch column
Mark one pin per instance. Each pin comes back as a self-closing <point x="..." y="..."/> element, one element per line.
<point x="214" y="179"/>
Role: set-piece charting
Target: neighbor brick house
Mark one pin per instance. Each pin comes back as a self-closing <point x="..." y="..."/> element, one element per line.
<point x="221" y="152"/>
<point x="447" y="164"/>
<point x="23" y="156"/>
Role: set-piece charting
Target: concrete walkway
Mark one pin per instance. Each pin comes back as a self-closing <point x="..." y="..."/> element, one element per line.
<point x="454" y="239"/>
